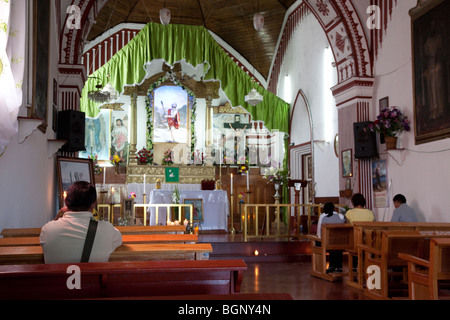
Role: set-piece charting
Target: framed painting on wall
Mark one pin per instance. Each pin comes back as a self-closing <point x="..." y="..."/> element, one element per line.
<point x="431" y="65"/>
<point x="41" y="43"/>
<point x="71" y="170"/>
<point x="347" y="165"/>
<point x="170" y="115"/>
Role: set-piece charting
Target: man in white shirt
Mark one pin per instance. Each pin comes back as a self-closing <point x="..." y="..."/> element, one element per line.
<point x="63" y="240"/>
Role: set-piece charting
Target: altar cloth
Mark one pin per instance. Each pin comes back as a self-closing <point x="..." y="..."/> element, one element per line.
<point x="216" y="207"/>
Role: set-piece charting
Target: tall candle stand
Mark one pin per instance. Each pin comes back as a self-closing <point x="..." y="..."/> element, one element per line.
<point x="248" y="202"/>
<point x="232" y="230"/>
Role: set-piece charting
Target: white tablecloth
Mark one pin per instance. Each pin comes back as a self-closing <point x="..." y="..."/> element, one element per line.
<point x="215" y="207"/>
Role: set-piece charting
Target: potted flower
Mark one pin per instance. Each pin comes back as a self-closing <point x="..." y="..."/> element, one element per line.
<point x="116" y="161"/>
<point x="389" y="123"/>
<point x="144" y="156"/>
<point x="167" y="158"/>
<point x="278" y="175"/>
<point x="97" y="168"/>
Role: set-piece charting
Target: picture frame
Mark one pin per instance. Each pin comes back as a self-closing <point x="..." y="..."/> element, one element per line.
<point x="71" y="170"/>
<point x="198" y="210"/>
<point x="430" y="52"/>
<point x="383" y="103"/>
<point x="347" y="163"/>
<point x="41" y="42"/>
<point x="165" y="129"/>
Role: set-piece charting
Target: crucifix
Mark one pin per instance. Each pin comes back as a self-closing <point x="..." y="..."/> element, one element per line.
<point x="238" y="129"/>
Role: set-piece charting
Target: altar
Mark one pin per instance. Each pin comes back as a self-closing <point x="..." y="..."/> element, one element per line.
<point x="216" y="207"/>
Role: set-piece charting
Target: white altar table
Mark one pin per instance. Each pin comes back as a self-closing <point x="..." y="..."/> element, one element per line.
<point x="215" y="207"/>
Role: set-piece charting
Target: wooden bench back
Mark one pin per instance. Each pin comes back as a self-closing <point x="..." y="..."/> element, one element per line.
<point x="369" y="233"/>
<point x="122" y="279"/>
<point x="337" y="236"/>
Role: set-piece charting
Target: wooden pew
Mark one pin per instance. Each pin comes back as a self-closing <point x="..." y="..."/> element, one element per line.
<point x="126" y="239"/>
<point x="35" y="232"/>
<point x="369" y="234"/>
<point x="424" y="275"/>
<point x="123" y="279"/>
<point x="334" y="237"/>
<point x="392" y="243"/>
<point x="126" y="252"/>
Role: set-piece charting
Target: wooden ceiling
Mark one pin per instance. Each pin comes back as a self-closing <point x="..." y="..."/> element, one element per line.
<point x="231" y="20"/>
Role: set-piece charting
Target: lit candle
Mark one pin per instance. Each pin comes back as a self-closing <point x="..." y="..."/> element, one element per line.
<point x="231" y="184"/>
<point x="248" y="183"/>
<point x="186" y="222"/>
<point x="144" y="183"/>
<point x="112" y="191"/>
<point x="168" y="222"/>
<point x="65" y="195"/>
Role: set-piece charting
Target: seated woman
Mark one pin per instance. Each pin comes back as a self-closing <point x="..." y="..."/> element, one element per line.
<point x="331" y="216"/>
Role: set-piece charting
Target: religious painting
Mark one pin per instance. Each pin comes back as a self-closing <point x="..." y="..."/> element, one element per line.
<point x="71" y="170"/>
<point x="431" y="66"/>
<point x="347" y="165"/>
<point x="98" y="136"/>
<point x="198" y="210"/>
<point x="41" y="29"/>
<point x="119" y="134"/>
<point x="379" y="183"/>
<point x="170" y="115"/>
<point x="383" y="103"/>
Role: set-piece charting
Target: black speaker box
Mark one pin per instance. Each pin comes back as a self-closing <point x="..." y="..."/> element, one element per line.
<point x="365" y="140"/>
<point x="71" y="127"/>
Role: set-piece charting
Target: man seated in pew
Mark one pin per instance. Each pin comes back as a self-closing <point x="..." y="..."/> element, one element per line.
<point x="63" y="240"/>
<point x="403" y="212"/>
<point x="359" y="213"/>
<point x="331" y="216"/>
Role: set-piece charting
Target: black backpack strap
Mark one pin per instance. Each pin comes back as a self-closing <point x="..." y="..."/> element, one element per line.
<point x="90" y="236"/>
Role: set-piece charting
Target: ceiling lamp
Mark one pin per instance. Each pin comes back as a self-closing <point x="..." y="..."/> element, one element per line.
<point x="258" y="21"/>
<point x="253" y="97"/>
<point x="109" y="89"/>
<point x="99" y="95"/>
<point x="164" y="16"/>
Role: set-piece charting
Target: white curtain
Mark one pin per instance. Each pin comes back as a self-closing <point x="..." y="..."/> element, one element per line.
<point x="12" y="65"/>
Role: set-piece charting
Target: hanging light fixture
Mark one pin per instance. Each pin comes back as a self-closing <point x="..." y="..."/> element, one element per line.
<point x="254" y="97"/>
<point x="164" y="15"/>
<point x="258" y="20"/>
<point x="98" y="95"/>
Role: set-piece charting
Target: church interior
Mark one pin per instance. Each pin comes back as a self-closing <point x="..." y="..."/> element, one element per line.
<point x="249" y="114"/>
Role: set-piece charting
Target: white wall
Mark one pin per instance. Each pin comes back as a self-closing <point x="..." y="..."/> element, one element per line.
<point x="27" y="175"/>
<point x="308" y="67"/>
<point x="419" y="172"/>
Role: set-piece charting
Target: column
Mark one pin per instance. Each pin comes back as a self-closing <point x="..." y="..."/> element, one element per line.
<point x="133" y="129"/>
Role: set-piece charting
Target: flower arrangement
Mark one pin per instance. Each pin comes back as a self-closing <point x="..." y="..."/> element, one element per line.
<point x="116" y="160"/>
<point x="167" y="158"/>
<point x="243" y="167"/>
<point x="176" y="196"/>
<point x="132" y="195"/>
<point x="144" y="156"/>
<point x="390" y="122"/>
<point x="241" y="197"/>
<point x="276" y="174"/>
<point x="97" y="168"/>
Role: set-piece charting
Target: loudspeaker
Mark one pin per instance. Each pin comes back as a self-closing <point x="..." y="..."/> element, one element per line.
<point x="71" y="127"/>
<point x="365" y="140"/>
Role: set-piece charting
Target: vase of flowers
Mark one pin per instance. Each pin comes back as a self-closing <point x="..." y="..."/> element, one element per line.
<point x="243" y="165"/>
<point x="97" y="168"/>
<point x="116" y="161"/>
<point x="167" y="158"/>
<point x="144" y="156"/>
<point x="389" y="123"/>
<point x="276" y="174"/>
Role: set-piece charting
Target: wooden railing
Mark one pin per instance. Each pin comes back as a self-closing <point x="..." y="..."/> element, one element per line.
<point x="256" y="213"/>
